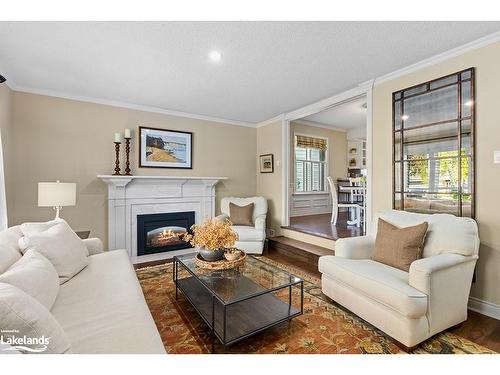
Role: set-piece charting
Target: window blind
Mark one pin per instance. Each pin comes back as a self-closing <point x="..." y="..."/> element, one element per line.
<point x="311" y="142"/>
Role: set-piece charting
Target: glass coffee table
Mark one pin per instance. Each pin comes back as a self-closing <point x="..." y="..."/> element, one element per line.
<point x="239" y="303"/>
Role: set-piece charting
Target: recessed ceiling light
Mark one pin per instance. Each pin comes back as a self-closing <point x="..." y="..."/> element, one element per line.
<point x="405" y="117"/>
<point x="215" y="56"/>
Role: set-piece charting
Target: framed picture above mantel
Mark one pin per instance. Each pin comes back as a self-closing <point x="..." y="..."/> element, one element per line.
<point x="163" y="148"/>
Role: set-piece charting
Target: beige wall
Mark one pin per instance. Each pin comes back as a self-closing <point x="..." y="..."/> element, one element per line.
<point x="269" y="141"/>
<point x="73" y="141"/>
<point x="337" y="148"/>
<point x="486" y="61"/>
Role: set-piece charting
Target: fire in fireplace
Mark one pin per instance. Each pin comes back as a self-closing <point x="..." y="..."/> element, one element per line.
<point x="157" y="233"/>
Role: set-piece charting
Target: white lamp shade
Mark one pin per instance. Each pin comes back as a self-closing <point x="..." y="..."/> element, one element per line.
<point x="56" y="194"/>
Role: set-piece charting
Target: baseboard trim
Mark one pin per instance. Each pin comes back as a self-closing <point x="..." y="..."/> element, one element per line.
<point x="484" y="307"/>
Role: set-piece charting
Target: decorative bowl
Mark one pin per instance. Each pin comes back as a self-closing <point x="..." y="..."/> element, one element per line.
<point x="211" y="255"/>
<point x="230" y="256"/>
<point x="220" y="264"/>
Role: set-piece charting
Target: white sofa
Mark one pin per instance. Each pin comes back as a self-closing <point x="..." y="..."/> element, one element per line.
<point x="251" y="239"/>
<point x="102" y="308"/>
<point x="408" y="306"/>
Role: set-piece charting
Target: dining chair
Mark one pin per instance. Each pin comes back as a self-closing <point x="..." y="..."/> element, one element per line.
<point x="357" y="195"/>
<point x="336" y="205"/>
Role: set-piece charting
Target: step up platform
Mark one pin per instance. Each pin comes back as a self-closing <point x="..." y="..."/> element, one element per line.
<point x="297" y="251"/>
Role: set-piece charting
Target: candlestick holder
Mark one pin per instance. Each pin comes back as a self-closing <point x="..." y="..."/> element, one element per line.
<point x="117" y="161"/>
<point x="127" y="153"/>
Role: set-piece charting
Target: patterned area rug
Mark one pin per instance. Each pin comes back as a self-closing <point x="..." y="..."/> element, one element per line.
<point x="324" y="328"/>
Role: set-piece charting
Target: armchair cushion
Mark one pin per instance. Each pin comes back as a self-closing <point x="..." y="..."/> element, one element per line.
<point x="446" y="233"/>
<point x="241" y="215"/>
<point x="260" y="205"/>
<point x="355" y="247"/>
<point x="378" y="282"/>
<point x="399" y="247"/>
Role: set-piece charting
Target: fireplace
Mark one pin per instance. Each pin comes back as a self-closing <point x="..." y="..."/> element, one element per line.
<point x="158" y="233"/>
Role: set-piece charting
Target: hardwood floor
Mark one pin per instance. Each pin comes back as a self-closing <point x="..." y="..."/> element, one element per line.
<point x="320" y="225"/>
<point x="152" y="263"/>
<point x="478" y="328"/>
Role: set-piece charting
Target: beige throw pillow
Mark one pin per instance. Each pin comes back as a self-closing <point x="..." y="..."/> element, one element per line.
<point x="59" y="244"/>
<point x="399" y="247"/>
<point x="34" y="275"/>
<point x="27" y="325"/>
<point x="241" y="215"/>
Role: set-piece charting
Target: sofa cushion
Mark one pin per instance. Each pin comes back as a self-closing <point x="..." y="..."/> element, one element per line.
<point x="34" y="275"/>
<point x="241" y="215"/>
<point x="249" y="233"/>
<point x="102" y="309"/>
<point x="399" y="247"/>
<point x="382" y="283"/>
<point x="22" y="315"/>
<point x="57" y="242"/>
<point x="446" y="233"/>
<point x="9" y="248"/>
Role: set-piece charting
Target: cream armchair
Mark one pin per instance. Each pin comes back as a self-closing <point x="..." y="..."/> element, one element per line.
<point x="251" y="239"/>
<point x="408" y="306"/>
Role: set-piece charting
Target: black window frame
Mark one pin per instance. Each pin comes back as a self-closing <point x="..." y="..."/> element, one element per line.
<point x="398" y="128"/>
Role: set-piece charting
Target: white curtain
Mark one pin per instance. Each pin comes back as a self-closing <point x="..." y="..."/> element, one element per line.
<point x="3" y="199"/>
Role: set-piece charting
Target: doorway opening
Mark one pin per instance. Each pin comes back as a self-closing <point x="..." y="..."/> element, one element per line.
<point x="328" y="171"/>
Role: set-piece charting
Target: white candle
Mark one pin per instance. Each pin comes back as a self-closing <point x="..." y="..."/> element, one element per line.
<point x="127" y="133"/>
<point x="118" y="137"/>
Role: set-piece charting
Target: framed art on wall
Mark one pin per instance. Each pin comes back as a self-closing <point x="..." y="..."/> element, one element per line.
<point x="163" y="148"/>
<point x="266" y="163"/>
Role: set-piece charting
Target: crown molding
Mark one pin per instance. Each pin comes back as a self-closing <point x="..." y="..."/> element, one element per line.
<point x="293" y="115"/>
<point x="476" y="44"/>
<point x="137" y="107"/>
<point x="365" y="86"/>
<point x="329" y="102"/>
<point x="270" y="121"/>
<point x="319" y="125"/>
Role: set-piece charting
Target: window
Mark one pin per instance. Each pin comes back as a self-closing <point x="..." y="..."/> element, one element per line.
<point x="433" y="146"/>
<point x="310" y="164"/>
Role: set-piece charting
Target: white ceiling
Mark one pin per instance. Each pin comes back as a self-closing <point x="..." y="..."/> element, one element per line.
<point x="267" y="68"/>
<point x="347" y="116"/>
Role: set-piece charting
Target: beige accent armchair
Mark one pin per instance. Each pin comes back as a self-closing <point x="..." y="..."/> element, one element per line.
<point x="408" y="306"/>
<point x="251" y="239"/>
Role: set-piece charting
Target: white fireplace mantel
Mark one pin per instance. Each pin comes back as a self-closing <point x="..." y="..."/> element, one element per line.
<point x="129" y="196"/>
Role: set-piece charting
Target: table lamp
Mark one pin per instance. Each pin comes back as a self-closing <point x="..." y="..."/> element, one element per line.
<point x="57" y="195"/>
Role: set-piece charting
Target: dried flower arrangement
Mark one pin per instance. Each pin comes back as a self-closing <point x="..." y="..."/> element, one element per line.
<point x="213" y="234"/>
